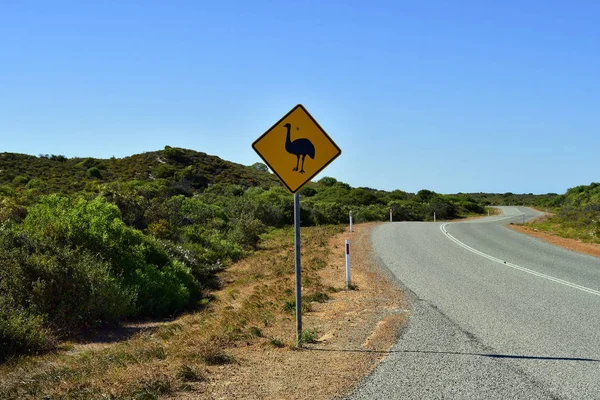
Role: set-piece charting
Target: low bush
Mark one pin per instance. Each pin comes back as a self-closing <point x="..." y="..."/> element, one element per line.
<point x="22" y="332"/>
<point x="160" y="286"/>
<point x="73" y="289"/>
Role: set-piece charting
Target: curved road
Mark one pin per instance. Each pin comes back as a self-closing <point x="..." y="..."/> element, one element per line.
<point x="495" y="314"/>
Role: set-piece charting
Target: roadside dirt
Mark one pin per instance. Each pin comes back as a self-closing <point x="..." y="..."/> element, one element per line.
<point x="591" y="249"/>
<point x="356" y="329"/>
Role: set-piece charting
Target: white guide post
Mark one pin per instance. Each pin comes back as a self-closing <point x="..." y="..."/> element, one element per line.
<point x="350" y="221"/>
<point x="348" y="278"/>
<point x="390" y="215"/>
<point x="434" y="217"/>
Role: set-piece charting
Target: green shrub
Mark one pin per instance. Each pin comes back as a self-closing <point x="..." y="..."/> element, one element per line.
<point x="330" y="213"/>
<point x="11" y="210"/>
<point x="73" y="288"/>
<point x="175" y="154"/>
<point x="188" y="373"/>
<point x="59" y="158"/>
<point x="254" y="331"/>
<point x="407" y="210"/>
<point x="309" y="336"/>
<point x="21" y="332"/>
<point x="319" y="297"/>
<point x="247" y="230"/>
<point x="162" y="286"/>
<point x="165" y="171"/>
<point x="20" y="180"/>
<point x="371" y="213"/>
<point x="363" y="196"/>
<point x="443" y="209"/>
<point x="94" y="172"/>
<point x="87" y="163"/>
<point x="35" y="184"/>
<point x="307" y="191"/>
<point x="327" y="181"/>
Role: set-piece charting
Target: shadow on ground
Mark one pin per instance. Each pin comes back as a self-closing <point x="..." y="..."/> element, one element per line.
<point x="489" y="355"/>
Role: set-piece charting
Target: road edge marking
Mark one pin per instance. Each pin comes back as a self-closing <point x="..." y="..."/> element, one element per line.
<point x="515" y="266"/>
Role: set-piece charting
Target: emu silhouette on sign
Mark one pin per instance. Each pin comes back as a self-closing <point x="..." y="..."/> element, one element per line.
<point x="299" y="147"/>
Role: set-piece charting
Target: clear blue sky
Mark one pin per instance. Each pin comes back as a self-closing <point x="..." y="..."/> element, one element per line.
<point x="452" y="96"/>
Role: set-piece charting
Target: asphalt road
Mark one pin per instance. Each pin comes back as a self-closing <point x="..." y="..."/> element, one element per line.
<point x="495" y="314"/>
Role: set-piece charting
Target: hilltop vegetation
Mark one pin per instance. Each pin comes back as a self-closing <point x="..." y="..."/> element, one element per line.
<point x="89" y="242"/>
<point x="185" y="171"/>
<point x="549" y="200"/>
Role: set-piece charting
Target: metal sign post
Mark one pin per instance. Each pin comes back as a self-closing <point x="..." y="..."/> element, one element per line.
<point x="298" y="269"/>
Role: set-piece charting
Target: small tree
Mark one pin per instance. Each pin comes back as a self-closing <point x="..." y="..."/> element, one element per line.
<point x="94" y="172"/>
<point x="260" y="167"/>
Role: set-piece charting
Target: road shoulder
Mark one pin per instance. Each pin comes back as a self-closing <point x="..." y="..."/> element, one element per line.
<point x="356" y="330"/>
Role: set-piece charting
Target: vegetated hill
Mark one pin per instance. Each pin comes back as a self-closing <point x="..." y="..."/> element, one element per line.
<point x="186" y="169"/>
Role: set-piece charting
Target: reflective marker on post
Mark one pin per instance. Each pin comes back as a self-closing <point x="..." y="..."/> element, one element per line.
<point x="348" y="279"/>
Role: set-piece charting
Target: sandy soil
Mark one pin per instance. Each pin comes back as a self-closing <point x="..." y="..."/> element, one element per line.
<point x="356" y="330"/>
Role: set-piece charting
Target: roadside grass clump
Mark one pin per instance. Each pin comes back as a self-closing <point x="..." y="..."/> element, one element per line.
<point x="153" y="386"/>
<point x="255" y="331"/>
<point x="318" y="297"/>
<point x="276" y="342"/>
<point x="187" y="373"/>
<point x="212" y="354"/>
<point x="309" y="336"/>
<point x="168" y="330"/>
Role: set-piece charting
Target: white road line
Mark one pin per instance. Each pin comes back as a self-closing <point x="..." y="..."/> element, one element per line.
<point x="515" y="266"/>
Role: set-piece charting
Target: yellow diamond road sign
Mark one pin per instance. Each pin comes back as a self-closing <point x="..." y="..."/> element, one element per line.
<point x="296" y="148"/>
